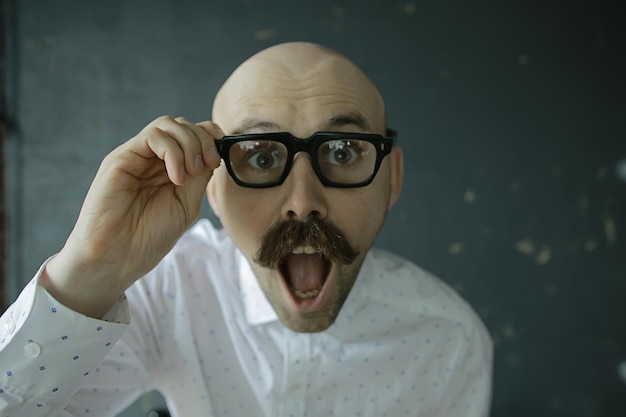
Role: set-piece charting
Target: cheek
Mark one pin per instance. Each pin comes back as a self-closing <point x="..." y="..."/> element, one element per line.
<point x="361" y="218"/>
<point x="245" y="216"/>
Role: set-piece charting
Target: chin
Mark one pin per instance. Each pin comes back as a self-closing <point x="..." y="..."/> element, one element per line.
<point x="302" y="318"/>
<point x="318" y="310"/>
<point x="307" y="324"/>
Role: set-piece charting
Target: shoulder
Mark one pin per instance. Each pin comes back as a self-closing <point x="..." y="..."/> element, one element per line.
<point x="407" y="279"/>
<point x="406" y="286"/>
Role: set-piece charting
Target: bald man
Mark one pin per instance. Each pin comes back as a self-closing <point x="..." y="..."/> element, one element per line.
<point x="287" y="310"/>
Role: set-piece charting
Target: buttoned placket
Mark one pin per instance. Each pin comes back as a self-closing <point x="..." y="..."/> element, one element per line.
<point x="297" y="374"/>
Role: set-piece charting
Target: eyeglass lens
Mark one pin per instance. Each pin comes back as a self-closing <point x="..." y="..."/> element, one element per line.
<point x="344" y="161"/>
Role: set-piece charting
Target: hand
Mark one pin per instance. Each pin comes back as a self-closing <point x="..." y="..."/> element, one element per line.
<point x="146" y="194"/>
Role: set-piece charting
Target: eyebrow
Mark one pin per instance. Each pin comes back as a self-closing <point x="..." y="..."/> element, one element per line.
<point x="345" y="119"/>
<point x="251" y="124"/>
<point x="333" y="122"/>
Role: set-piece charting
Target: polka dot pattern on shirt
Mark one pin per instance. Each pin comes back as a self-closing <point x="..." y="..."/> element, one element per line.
<point x="204" y="335"/>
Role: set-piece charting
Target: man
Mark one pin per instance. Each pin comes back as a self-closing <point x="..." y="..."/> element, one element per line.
<point x="285" y="312"/>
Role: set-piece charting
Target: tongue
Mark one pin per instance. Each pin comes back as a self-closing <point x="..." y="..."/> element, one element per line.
<point x="305" y="272"/>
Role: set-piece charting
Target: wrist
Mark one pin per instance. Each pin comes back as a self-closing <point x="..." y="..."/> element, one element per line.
<point x="80" y="288"/>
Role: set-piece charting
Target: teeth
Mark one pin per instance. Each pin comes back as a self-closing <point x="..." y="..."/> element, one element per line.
<point x="307" y="294"/>
<point x="309" y="250"/>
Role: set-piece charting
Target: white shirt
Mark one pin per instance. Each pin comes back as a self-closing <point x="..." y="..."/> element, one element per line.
<point x="204" y="335"/>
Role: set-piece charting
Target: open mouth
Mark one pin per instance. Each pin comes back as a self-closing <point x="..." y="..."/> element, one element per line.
<point x="305" y="271"/>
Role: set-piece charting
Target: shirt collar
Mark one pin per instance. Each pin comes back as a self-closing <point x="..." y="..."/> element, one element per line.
<point x="257" y="309"/>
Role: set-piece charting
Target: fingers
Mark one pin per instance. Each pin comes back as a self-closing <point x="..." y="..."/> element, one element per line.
<point x="208" y="155"/>
<point x="197" y="146"/>
<point x="187" y="149"/>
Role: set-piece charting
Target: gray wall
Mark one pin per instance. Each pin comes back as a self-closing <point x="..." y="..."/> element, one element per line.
<point x="512" y="116"/>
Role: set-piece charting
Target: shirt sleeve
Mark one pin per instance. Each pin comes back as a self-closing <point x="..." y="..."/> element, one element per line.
<point x="48" y="350"/>
<point x="469" y="391"/>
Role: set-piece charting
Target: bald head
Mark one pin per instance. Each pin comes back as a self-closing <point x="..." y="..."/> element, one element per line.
<point x="301" y="88"/>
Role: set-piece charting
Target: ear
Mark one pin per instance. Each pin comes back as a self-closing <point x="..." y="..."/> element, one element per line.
<point x="396" y="161"/>
<point x="211" y="192"/>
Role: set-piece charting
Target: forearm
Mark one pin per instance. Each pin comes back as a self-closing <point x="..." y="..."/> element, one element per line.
<point x="79" y="289"/>
<point x="47" y="351"/>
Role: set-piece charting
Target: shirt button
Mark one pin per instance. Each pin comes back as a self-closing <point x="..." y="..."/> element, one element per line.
<point x="9" y="326"/>
<point x="32" y="350"/>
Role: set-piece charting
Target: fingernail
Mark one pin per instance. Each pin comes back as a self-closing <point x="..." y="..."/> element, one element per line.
<point x="199" y="163"/>
<point x="214" y="152"/>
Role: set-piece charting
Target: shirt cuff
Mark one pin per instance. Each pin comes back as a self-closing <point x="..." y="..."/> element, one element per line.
<point x="47" y="349"/>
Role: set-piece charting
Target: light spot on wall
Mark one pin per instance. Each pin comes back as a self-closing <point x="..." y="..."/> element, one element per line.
<point x="620" y="169"/>
<point x="590" y="245"/>
<point x="100" y="122"/>
<point x="583" y="204"/>
<point x="621" y="371"/>
<point x="508" y="332"/>
<point x="408" y="8"/>
<point x="551" y="290"/>
<point x="610" y="232"/>
<point x="264" y="34"/>
<point x="336" y="11"/>
<point x="544" y="256"/>
<point x="512" y="359"/>
<point x="525" y="246"/>
<point x="469" y="196"/>
<point x="556" y="404"/>
<point x="445" y="74"/>
<point x="456" y="248"/>
<point x="523" y="59"/>
<point x="336" y="14"/>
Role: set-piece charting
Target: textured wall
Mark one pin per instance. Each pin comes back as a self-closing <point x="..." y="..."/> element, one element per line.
<point x="512" y="116"/>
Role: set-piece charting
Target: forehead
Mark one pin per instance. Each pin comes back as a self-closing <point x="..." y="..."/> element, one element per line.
<point x="299" y="96"/>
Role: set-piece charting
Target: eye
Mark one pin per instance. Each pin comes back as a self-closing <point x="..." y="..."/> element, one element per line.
<point x="259" y="155"/>
<point x="264" y="159"/>
<point x="340" y="152"/>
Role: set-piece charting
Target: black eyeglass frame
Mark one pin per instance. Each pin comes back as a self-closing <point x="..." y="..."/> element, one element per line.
<point x="310" y="145"/>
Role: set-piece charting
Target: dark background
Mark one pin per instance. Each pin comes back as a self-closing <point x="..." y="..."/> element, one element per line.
<point x="512" y="115"/>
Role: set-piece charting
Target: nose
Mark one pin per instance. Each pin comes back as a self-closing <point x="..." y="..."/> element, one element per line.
<point x="304" y="194"/>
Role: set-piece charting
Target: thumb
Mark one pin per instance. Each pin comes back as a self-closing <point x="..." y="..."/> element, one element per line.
<point x="193" y="192"/>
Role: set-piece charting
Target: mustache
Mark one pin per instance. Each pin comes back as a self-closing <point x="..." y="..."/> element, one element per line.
<point x="283" y="237"/>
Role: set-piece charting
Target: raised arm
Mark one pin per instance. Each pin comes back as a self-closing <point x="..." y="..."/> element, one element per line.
<point x="147" y="192"/>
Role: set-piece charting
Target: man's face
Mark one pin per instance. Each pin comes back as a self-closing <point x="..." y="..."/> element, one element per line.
<point x="301" y="89"/>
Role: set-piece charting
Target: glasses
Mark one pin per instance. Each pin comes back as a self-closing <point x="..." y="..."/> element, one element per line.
<point x="344" y="160"/>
